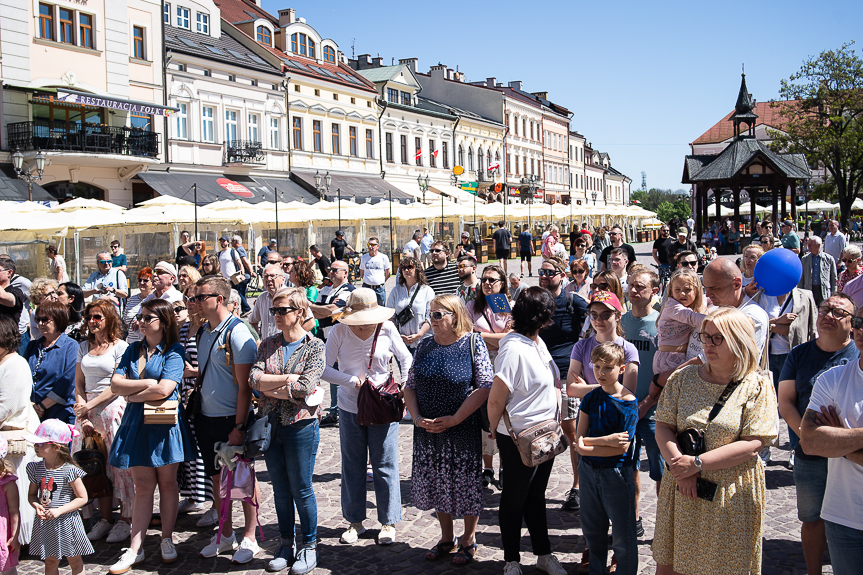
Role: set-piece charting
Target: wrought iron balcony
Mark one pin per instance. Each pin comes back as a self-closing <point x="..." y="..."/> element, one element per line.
<point x="244" y="152"/>
<point x="82" y="137"/>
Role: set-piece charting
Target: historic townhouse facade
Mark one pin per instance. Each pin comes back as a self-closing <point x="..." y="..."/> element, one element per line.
<point x="575" y="160"/>
<point x="594" y="177"/>
<point x="555" y="148"/>
<point x="82" y="82"/>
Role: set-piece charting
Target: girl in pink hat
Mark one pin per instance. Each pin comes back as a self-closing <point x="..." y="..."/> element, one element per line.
<point x="56" y="492"/>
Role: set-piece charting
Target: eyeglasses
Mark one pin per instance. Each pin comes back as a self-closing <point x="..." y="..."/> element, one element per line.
<point x="373" y="245"/>
<point x="547" y="273"/>
<point x="439" y="315"/>
<point x="491" y="281"/>
<point x="203" y="296"/>
<point x="337" y="270"/>
<point x="689" y="263"/>
<point x="273" y="262"/>
<point x="95" y="317"/>
<point x="436" y="251"/>
<point x="286" y="265"/>
<point x="599" y="287"/>
<point x="148" y="319"/>
<point x="51" y="294"/>
<point x="836" y="312"/>
<point x="857" y="322"/>
<point x="42" y="319"/>
<point x="115" y="247"/>
<point x="579" y="271"/>
<point x="848" y="261"/>
<point x="183" y="275"/>
<point x="104" y="261"/>
<point x="604" y="316"/>
<point x="715" y="340"/>
<point x="179" y="308"/>
<point x="282" y="310"/>
<point x="614" y="233"/>
<point x="463" y="266"/>
<point x="406" y="268"/>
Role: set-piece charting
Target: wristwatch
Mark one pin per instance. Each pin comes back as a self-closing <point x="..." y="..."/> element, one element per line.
<point x="240" y="426"/>
<point x="698" y="464"/>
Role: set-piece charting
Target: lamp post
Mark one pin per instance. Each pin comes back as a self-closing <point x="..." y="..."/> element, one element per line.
<point x="424" y="185"/>
<point x="593" y="195"/>
<point x="324" y="190"/>
<point x="28" y="176"/>
<point x="530" y="181"/>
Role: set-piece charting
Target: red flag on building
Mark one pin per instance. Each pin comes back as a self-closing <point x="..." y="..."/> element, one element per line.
<point x="435" y="153"/>
<point x="419" y="153"/>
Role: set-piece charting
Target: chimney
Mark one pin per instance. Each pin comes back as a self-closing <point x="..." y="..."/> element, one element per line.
<point x="490" y="82"/>
<point x="363" y="62"/>
<point x="543" y="95"/>
<point x="377" y="62"/>
<point x="286" y="16"/>
<point x="258" y="3"/>
<point x="515" y="85"/>
<point x="410" y="62"/>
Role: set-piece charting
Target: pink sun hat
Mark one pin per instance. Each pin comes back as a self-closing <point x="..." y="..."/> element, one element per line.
<point x="53" y="431"/>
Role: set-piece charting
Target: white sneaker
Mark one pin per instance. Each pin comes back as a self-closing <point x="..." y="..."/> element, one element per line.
<point x="188" y="506"/>
<point x="247" y="551"/>
<point x="120" y="532"/>
<point x="127" y="560"/>
<point x="169" y="552"/>
<point x="209" y="518"/>
<point x="228" y="543"/>
<point x="99" y="530"/>
<point x="387" y="536"/>
<point x="511" y="568"/>
<point x="353" y="533"/>
<point x="550" y="565"/>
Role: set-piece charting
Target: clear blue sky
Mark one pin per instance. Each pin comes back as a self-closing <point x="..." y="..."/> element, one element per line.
<point x="644" y="79"/>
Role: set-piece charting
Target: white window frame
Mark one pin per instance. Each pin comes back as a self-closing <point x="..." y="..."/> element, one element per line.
<point x="202" y="23"/>
<point x="181" y="126"/>
<point x="208" y="124"/>
<point x="231" y="125"/>
<point x="167" y="13"/>
<point x="184" y="18"/>
<point x="275" y="143"/>
<point x="253" y="127"/>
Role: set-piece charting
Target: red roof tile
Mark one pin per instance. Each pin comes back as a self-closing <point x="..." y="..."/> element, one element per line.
<point x="239" y="11"/>
<point x="724" y="129"/>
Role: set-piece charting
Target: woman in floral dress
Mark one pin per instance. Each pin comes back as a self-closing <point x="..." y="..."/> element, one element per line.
<point x="445" y="388"/>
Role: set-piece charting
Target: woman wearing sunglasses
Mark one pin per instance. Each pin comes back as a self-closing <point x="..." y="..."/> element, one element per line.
<point x="412" y="289"/>
<point x="99" y="410"/>
<point x="187" y="276"/>
<point x="151" y="370"/>
<point x="52" y="359"/>
<point x="693" y="536"/>
<point x="580" y="252"/>
<point x="446" y="386"/>
<point x="287" y="372"/>
<point x="580" y="284"/>
<point x="133" y="304"/>
<point x="362" y="327"/>
<point x="210" y="265"/>
<point x="604" y="281"/>
<point x="41" y="289"/>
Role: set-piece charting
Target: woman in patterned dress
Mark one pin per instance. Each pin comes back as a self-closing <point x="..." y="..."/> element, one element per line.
<point x="694" y="536"/>
<point x="445" y="388"/>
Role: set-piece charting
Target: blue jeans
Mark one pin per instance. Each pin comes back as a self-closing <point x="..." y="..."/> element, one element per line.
<point x="645" y="433"/>
<point x="846" y="548"/>
<point x="380" y="444"/>
<point x="291" y="462"/>
<point x="241" y="289"/>
<point x="608" y="494"/>
<point x="810" y="479"/>
<point x="380" y="291"/>
<point x="25" y="339"/>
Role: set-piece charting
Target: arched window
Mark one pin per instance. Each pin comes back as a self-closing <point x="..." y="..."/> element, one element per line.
<point x="460" y="156"/>
<point x="479" y="161"/>
<point x="302" y="45"/>
<point x="470" y="159"/>
<point x="329" y="55"/>
<point x="488" y="158"/>
<point x="264" y="36"/>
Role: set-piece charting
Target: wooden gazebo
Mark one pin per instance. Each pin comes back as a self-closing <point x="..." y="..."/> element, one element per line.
<point x="745" y="164"/>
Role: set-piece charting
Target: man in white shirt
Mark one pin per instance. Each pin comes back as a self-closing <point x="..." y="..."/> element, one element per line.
<point x="375" y="270"/>
<point x="835" y="241"/>
<point x="260" y="318"/>
<point x="412" y="248"/>
<point x="106" y="282"/>
<point x="832" y="427"/>
<point x="425" y="248"/>
<point x="229" y="260"/>
<point x="56" y="264"/>
<point x="164" y="277"/>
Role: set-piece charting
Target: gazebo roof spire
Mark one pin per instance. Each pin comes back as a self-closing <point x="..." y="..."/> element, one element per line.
<point x="745" y="103"/>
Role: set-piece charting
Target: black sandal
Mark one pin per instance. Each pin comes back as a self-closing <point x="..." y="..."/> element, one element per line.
<point x="440" y="549"/>
<point x="462" y="557"/>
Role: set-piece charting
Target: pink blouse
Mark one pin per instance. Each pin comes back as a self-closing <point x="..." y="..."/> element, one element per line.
<point x="676" y="323"/>
<point x="489" y="322"/>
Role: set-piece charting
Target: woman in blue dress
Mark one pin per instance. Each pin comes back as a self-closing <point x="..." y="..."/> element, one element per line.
<point x="152" y="451"/>
<point x="445" y="388"/>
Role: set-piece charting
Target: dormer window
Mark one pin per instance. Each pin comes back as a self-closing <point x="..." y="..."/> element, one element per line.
<point x="182" y="17"/>
<point x="264" y="36"/>
<point x="203" y="23"/>
<point x="329" y="55"/>
<point x="302" y="45"/>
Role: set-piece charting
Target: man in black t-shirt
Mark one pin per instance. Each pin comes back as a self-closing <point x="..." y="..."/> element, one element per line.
<point x="465" y="247"/>
<point x="338" y="246"/>
<point x="502" y="239"/>
<point x="681" y="244"/>
<point x="660" y="247"/>
<point x="616" y="236"/>
<point x="320" y="259"/>
<point x="11" y="298"/>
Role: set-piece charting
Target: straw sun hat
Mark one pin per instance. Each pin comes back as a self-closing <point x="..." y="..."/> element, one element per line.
<point x="362" y="309"/>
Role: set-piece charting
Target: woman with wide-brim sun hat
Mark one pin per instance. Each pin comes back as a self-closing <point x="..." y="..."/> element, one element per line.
<point x="350" y="344"/>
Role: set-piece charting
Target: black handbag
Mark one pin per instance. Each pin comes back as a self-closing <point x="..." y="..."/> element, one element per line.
<point x="259" y="435"/>
<point x="93" y="461"/>
<point x="691" y="441"/>
<point x="407" y="314"/>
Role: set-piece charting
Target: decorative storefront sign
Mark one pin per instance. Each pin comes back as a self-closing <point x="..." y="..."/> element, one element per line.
<point x="100" y="102"/>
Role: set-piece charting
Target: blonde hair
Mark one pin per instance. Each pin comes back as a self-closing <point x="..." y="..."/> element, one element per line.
<point x="739" y="332"/>
<point x="39" y="287"/>
<point x="462" y="324"/>
<point x="755" y="248"/>
<point x="608" y="353"/>
<point x="692" y="278"/>
<point x="194" y="274"/>
<point x="296" y="297"/>
<point x="5" y="467"/>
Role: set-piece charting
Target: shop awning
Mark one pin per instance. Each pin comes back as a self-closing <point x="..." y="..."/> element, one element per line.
<point x="363" y="188"/>
<point x="215" y="187"/>
<point x="15" y="190"/>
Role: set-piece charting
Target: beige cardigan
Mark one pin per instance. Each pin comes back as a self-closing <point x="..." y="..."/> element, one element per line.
<point x="803" y="328"/>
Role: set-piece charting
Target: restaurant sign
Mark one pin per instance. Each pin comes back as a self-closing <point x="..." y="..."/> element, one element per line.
<point x="100" y="102"/>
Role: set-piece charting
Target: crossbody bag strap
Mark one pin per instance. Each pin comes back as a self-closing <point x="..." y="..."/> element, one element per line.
<point x="413" y="297"/>
<point x="374" y="344"/>
<point x="720" y="403"/>
<point x="200" y="380"/>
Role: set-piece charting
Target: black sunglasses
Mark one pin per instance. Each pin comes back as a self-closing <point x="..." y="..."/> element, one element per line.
<point x="282" y="310"/>
<point x="179" y="308"/>
<point x="857" y="322"/>
<point x="547" y="273"/>
<point x="95" y="317"/>
<point x="203" y="296"/>
<point x="146" y="318"/>
<point x="689" y="263"/>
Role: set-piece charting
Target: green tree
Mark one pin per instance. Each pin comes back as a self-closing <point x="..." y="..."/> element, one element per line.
<point x="679" y="209"/>
<point x="824" y="115"/>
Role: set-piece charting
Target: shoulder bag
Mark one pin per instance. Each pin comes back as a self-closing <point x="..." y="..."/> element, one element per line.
<point x="193" y="403"/>
<point x="691" y="441"/>
<point x="240" y="275"/>
<point x="407" y="314"/>
<point x="483" y="409"/>
<point x="161" y="411"/>
<point x="92" y="458"/>
<point x="379" y="405"/>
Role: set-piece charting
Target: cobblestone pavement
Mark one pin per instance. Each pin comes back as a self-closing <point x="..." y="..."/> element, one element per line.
<point x="419" y="530"/>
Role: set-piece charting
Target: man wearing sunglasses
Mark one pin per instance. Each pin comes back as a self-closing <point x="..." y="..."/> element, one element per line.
<point x="616" y="237"/>
<point x="375" y="270"/>
<point x="681" y="244"/>
<point x="108" y="282"/>
<point x="805" y="365"/>
<point x="164" y="277"/>
<point x="466" y="266"/>
<point x="442" y="274"/>
<point x="660" y="247"/>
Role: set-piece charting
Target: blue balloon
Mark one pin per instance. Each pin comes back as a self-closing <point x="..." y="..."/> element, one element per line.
<point x="778" y="271"/>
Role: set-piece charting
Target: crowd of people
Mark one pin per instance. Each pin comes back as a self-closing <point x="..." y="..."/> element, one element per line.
<point x="598" y="359"/>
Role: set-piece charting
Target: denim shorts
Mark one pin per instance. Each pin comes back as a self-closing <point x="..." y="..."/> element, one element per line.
<point x="810" y="477"/>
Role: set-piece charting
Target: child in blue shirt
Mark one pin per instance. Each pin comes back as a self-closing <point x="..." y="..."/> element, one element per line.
<point x="604" y="437"/>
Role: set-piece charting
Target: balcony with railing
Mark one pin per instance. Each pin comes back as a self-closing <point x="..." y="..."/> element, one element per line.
<point x="244" y="152"/>
<point x="82" y="137"/>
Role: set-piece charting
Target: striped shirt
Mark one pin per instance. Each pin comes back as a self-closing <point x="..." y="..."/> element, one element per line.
<point x="445" y="281"/>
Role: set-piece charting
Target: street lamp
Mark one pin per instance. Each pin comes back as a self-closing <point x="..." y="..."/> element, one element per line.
<point x="530" y="181"/>
<point x="593" y="195"/>
<point x="424" y="185"/>
<point x="28" y="176"/>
